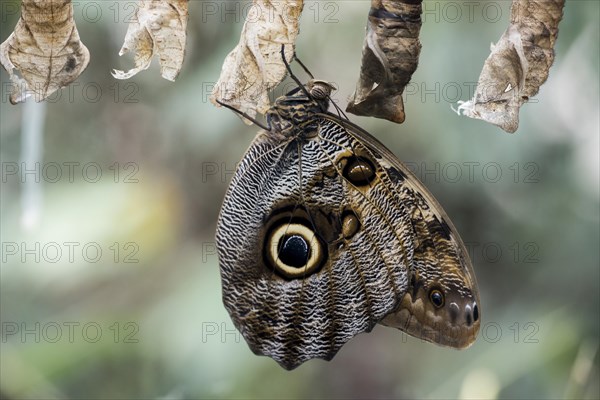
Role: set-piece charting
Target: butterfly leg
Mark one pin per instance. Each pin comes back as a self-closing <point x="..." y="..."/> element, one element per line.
<point x="243" y="114"/>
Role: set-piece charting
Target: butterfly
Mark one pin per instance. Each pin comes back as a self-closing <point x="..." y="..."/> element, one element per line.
<point x="324" y="233"/>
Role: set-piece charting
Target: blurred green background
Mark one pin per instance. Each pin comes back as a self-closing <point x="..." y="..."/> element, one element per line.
<point x="113" y="290"/>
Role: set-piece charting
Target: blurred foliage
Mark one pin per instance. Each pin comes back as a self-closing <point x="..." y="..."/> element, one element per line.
<point x="154" y="327"/>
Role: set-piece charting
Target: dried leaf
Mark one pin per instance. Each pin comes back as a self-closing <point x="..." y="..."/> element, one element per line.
<point x="518" y="64"/>
<point x="158" y="27"/>
<point x="390" y="56"/>
<point x="44" y="48"/>
<point x="255" y="65"/>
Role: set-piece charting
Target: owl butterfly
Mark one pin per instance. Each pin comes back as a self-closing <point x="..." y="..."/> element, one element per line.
<point x="324" y="233"/>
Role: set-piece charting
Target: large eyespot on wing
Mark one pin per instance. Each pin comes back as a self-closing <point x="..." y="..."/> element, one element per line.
<point x="306" y="259"/>
<point x="441" y="267"/>
<point x="292" y="248"/>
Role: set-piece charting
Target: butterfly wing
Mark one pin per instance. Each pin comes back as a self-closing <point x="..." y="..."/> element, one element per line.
<point x="321" y="239"/>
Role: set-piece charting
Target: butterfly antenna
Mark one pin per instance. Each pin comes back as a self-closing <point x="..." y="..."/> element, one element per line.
<point x="243" y="114"/>
<point x="289" y="69"/>
<point x="340" y="112"/>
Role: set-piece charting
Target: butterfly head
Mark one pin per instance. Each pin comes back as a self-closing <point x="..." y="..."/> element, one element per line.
<point x="320" y="90"/>
<point x="442" y="309"/>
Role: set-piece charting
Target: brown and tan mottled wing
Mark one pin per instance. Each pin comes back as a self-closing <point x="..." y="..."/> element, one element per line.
<point x="351" y="201"/>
